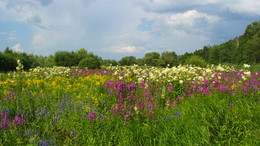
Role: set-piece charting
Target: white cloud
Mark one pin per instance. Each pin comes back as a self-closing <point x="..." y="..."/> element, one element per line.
<point x="124" y="49"/>
<point x="251" y="7"/>
<point x="96" y="24"/>
<point x="17" y="48"/>
<point x="191" y="17"/>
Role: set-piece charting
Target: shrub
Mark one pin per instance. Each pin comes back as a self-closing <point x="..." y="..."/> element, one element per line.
<point x="90" y="63"/>
<point x="196" y="60"/>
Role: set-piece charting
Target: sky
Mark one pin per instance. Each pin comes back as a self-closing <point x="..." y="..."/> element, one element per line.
<point x="113" y="29"/>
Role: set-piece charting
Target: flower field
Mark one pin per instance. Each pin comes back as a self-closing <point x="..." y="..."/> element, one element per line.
<point x="182" y="105"/>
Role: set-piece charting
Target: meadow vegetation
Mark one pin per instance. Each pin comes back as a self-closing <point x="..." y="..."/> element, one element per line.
<point x="181" y="105"/>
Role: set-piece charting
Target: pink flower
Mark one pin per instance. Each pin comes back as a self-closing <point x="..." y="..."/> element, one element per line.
<point x="230" y="106"/>
<point x="91" y="116"/>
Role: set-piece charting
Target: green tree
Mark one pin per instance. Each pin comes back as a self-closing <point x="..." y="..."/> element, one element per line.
<point x="50" y="61"/>
<point x="8" y="62"/>
<point x="89" y="62"/>
<point x="252" y="29"/>
<point x="65" y="58"/>
<point x="252" y="50"/>
<point x="152" y="58"/>
<point x="196" y="60"/>
<point x="214" y="55"/>
<point x="108" y="62"/>
<point x="169" y="58"/>
<point x="182" y="58"/>
<point x="128" y="60"/>
<point x="140" y="61"/>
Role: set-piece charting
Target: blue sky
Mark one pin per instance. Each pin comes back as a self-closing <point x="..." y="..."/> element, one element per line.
<point x="113" y="29"/>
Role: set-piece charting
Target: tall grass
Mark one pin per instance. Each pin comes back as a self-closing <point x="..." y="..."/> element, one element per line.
<point x="98" y="108"/>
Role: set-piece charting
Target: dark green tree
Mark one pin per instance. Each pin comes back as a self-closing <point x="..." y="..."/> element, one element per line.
<point x="169" y="58"/>
<point x="152" y="58"/>
<point x="182" y="58"/>
<point x="89" y="62"/>
<point x="8" y="62"/>
<point x="196" y="60"/>
<point x="108" y="62"/>
<point x="128" y="61"/>
<point x="50" y="62"/>
<point x="65" y="58"/>
<point x="214" y="55"/>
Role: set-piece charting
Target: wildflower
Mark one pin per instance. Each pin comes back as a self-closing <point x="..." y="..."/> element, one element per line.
<point x="139" y="104"/>
<point x="174" y="103"/>
<point x="168" y="102"/>
<point x="246" y="65"/>
<point x="162" y="96"/>
<point x="178" y="113"/>
<point x="73" y="133"/>
<point x="179" y="97"/>
<point x="170" y="88"/>
<point x="150" y="105"/>
<point x="233" y="86"/>
<point x="91" y="116"/>
<point x="20" y="65"/>
<point x="6" y="123"/>
<point x="10" y="95"/>
<point x="168" y="116"/>
<point x="231" y="106"/>
<point x="83" y="115"/>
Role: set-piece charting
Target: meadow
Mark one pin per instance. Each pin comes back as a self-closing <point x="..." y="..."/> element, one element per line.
<point x="183" y="105"/>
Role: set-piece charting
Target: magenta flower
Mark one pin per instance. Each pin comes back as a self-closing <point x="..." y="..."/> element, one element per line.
<point x="139" y="104"/>
<point x="10" y="95"/>
<point x="230" y="106"/>
<point x="170" y="87"/>
<point x="91" y="116"/>
<point x="5" y="123"/>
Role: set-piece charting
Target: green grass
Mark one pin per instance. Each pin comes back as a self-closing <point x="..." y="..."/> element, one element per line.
<point x="198" y="120"/>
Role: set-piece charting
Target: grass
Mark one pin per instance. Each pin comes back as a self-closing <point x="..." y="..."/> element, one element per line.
<point x="58" y="109"/>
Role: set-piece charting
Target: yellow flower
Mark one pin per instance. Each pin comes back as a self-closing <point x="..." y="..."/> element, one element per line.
<point x="233" y="86"/>
<point x="87" y="109"/>
<point x="162" y="96"/>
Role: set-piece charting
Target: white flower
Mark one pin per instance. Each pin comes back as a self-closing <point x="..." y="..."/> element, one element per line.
<point x="246" y="65"/>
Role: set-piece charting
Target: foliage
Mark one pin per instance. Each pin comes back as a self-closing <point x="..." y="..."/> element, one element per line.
<point x="196" y="60"/>
<point x="242" y="49"/>
<point x="153" y="59"/>
<point x="8" y="63"/>
<point x="181" y="105"/>
<point x="89" y="62"/>
<point x="169" y="58"/>
<point x="108" y="62"/>
<point x="128" y="60"/>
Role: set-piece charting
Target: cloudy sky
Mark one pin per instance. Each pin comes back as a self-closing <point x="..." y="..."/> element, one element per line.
<point x="113" y="29"/>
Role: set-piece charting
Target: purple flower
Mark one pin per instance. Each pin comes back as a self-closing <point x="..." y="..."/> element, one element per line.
<point x="168" y="116"/>
<point x="245" y="88"/>
<point x="91" y="116"/>
<point x="178" y="113"/>
<point x="230" y="106"/>
<point x="170" y="87"/>
<point x="10" y="95"/>
<point x="131" y="86"/>
<point x="150" y="105"/>
<point x="17" y="119"/>
<point x="6" y="123"/>
<point x="139" y="104"/>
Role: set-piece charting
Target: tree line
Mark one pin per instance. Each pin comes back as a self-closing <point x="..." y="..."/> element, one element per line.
<point x="242" y="49"/>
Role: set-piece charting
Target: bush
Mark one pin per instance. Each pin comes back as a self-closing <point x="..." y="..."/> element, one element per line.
<point x="90" y="63"/>
<point x="8" y="62"/>
<point x="196" y="60"/>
